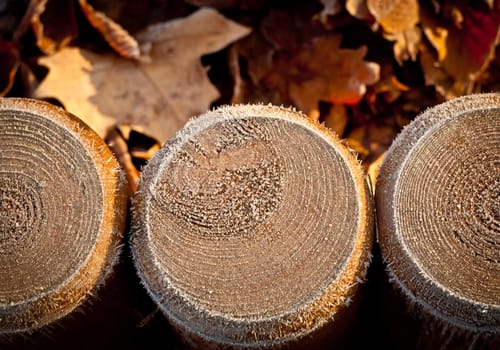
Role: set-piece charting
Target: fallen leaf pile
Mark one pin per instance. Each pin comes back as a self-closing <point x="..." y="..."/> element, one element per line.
<point x="160" y="92"/>
<point x="364" y="68"/>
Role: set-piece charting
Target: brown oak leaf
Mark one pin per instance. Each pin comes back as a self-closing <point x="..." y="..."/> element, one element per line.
<point x="160" y="95"/>
<point x="331" y="74"/>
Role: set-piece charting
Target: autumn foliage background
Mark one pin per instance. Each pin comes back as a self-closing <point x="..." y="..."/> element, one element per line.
<point x="365" y="68"/>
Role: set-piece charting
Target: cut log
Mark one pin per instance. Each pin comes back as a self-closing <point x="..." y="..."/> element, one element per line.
<point x="438" y="210"/>
<point x="63" y="205"/>
<point x="253" y="226"/>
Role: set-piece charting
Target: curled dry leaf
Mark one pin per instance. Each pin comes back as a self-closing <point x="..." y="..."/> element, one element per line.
<point x="336" y="75"/>
<point x="406" y="44"/>
<point x="358" y="9"/>
<point x="330" y="8"/>
<point x="395" y="15"/>
<point x="161" y="95"/>
<point x="373" y="170"/>
<point x="388" y="89"/>
<point x="54" y="23"/>
<point x="9" y="64"/>
<point x="399" y="19"/>
<point x="118" y="144"/>
<point x="114" y="34"/>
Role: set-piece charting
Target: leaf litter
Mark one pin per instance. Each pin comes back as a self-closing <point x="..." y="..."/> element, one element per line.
<point x="364" y="68"/>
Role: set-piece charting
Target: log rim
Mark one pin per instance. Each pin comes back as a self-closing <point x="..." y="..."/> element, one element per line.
<point x="91" y="274"/>
<point x="290" y="326"/>
<point x="423" y="292"/>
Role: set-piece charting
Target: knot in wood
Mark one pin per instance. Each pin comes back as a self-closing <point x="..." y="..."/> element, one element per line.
<point x="224" y="182"/>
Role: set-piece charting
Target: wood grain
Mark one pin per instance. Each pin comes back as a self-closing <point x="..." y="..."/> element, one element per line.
<point x="252" y="226"/>
<point x="438" y="215"/>
<point x="63" y="202"/>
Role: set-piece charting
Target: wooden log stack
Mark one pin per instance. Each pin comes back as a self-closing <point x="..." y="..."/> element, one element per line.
<point x="253" y="227"/>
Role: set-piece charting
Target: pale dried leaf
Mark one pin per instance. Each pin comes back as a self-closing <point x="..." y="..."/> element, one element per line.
<point x="406" y="44"/>
<point x="395" y="15"/>
<point x="160" y="96"/>
<point x="437" y="36"/>
<point x="114" y="34"/>
<point x="331" y="8"/>
<point x="54" y="24"/>
<point x="374" y="168"/>
<point x="358" y="9"/>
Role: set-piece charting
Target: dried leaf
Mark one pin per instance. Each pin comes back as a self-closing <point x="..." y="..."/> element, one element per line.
<point x="333" y="74"/>
<point x="337" y="119"/>
<point x="282" y="29"/>
<point x="437" y="36"/>
<point x="14" y="19"/>
<point x="370" y="141"/>
<point x="9" y="64"/>
<point x="462" y="52"/>
<point x="395" y="15"/>
<point x="118" y="145"/>
<point x="258" y="54"/>
<point x="380" y="138"/>
<point x="114" y="34"/>
<point x="135" y="16"/>
<point x="436" y="76"/>
<point x="331" y="8"/>
<point x="358" y="9"/>
<point x="54" y="24"/>
<point x="388" y="89"/>
<point x="373" y="170"/>
<point x="162" y="95"/>
<point x="229" y="4"/>
<point x="356" y="141"/>
<point x="406" y="44"/>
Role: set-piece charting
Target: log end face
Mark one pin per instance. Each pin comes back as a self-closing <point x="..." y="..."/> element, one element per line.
<point x="252" y="224"/>
<point x="63" y="206"/>
<point x="438" y="213"/>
